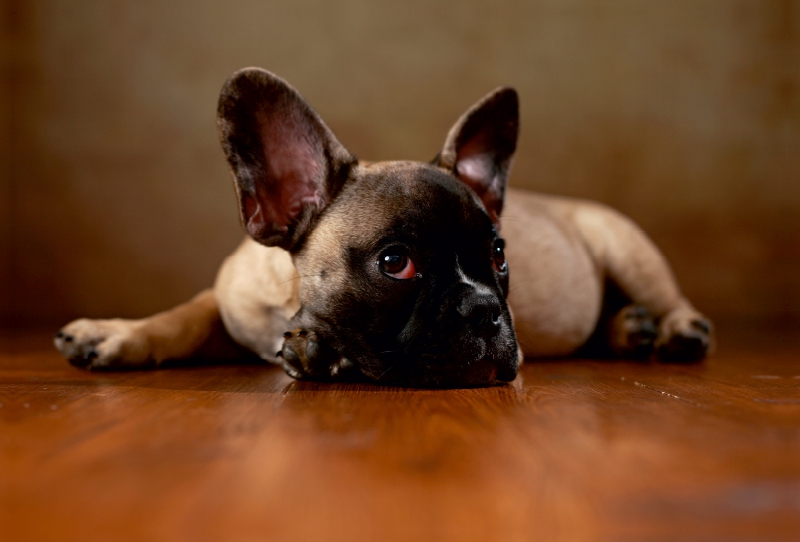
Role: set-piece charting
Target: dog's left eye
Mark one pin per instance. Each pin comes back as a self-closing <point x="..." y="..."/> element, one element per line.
<point x="499" y="256"/>
<point x="396" y="263"/>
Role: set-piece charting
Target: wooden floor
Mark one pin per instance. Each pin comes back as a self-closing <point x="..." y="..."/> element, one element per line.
<point x="572" y="450"/>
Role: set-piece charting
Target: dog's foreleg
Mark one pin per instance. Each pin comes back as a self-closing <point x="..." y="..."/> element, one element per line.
<point x="193" y="329"/>
<point x="631" y="260"/>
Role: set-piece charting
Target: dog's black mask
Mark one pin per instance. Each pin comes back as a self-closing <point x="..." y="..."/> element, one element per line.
<point x="419" y="298"/>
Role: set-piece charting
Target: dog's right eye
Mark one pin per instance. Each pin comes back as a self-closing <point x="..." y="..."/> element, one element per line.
<point x="396" y="263"/>
<point x="499" y="257"/>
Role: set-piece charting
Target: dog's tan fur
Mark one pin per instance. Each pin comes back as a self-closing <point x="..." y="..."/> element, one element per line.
<point x="560" y="253"/>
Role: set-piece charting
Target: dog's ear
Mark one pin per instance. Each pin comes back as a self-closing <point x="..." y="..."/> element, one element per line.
<point x="286" y="162"/>
<point x="480" y="147"/>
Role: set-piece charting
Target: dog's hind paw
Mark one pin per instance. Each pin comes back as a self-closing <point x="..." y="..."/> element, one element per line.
<point x="632" y="333"/>
<point x="306" y="356"/>
<point x="684" y="336"/>
<point x="103" y="344"/>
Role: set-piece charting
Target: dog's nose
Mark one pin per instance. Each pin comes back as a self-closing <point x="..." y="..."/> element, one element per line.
<point x="482" y="312"/>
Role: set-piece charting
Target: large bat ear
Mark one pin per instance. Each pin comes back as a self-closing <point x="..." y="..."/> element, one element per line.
<point x="287" y="165"/>
<point x="480" y="147"/>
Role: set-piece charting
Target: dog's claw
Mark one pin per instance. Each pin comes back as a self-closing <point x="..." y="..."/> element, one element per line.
<point x="686" y="347"/>
<point x="633" y="332"/>
<point x="684" y="338"/>
<point x="703" y="325"/>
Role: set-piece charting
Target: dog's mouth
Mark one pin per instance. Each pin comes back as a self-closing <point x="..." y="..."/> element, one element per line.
<point x="443" y="360"/>
<point x="488" y="368"/>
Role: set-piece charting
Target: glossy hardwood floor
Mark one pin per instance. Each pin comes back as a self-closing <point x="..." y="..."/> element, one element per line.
<point x="572" y="450"/>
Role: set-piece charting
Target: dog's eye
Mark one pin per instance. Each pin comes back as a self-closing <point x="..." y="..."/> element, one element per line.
<point x="499" y="257"/>
<point x="396" y="263"/>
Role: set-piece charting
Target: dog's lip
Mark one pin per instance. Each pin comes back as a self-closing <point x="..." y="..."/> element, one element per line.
<point x="475" y="350"/>
<point x="438" y="373"/>
<point x="503" y="373"/>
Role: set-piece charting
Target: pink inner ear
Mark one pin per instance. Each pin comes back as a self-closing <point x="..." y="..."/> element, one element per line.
<point x="260" y="222"/>
<point x="477" y="171"/>
<point x="475" y="167"/>
<point x="293" y="176"/>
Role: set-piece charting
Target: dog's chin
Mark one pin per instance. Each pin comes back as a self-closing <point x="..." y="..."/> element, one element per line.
<point x="450" y="372"/>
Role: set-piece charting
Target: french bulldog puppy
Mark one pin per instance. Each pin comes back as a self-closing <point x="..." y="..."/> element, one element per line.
<point x="397" y="271"/>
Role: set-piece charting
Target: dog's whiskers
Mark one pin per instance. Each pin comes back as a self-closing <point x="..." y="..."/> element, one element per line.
<point x="300" y="277"/>
<point x="386" y="371"/>
<point x="523" y="340"/>
<point x="389" y="352"/>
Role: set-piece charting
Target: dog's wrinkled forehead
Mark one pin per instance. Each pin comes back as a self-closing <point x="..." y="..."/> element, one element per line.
<point x="404" y="199"/>
<point x="407" y="196"/>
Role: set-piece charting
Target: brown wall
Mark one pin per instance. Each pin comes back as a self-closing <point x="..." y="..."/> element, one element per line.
<point x="683" y="114"/>
<point x="5" y="170"/>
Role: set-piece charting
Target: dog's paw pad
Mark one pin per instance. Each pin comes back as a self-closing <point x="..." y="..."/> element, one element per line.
<point x="686" y="340"/>
<point x="633" y="332"/>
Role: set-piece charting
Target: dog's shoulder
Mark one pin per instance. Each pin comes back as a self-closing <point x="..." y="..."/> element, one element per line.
<point x="259" y="274"/>
<point x="257" y="291"/>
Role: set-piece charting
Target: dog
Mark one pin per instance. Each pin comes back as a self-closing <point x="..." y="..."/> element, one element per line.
<point x="396" y="272"/>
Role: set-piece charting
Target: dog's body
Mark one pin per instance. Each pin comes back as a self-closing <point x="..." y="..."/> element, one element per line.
<point x="396" y="271"/>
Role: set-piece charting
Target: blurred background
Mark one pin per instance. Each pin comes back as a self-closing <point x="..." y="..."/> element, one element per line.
<point x="116" y="200"/>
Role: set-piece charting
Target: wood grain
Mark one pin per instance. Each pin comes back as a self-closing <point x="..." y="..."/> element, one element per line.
<point x="572" y="450"/>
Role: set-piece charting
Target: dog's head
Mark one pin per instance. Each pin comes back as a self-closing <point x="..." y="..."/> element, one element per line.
<point x="401" y="263"/>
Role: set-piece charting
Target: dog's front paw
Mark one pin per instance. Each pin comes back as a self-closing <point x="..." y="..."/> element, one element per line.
<point x="103" y="344"/>
<point x="632" y="333"/>
<point x="684" y="335"/>
<point x="306" y="356"/>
